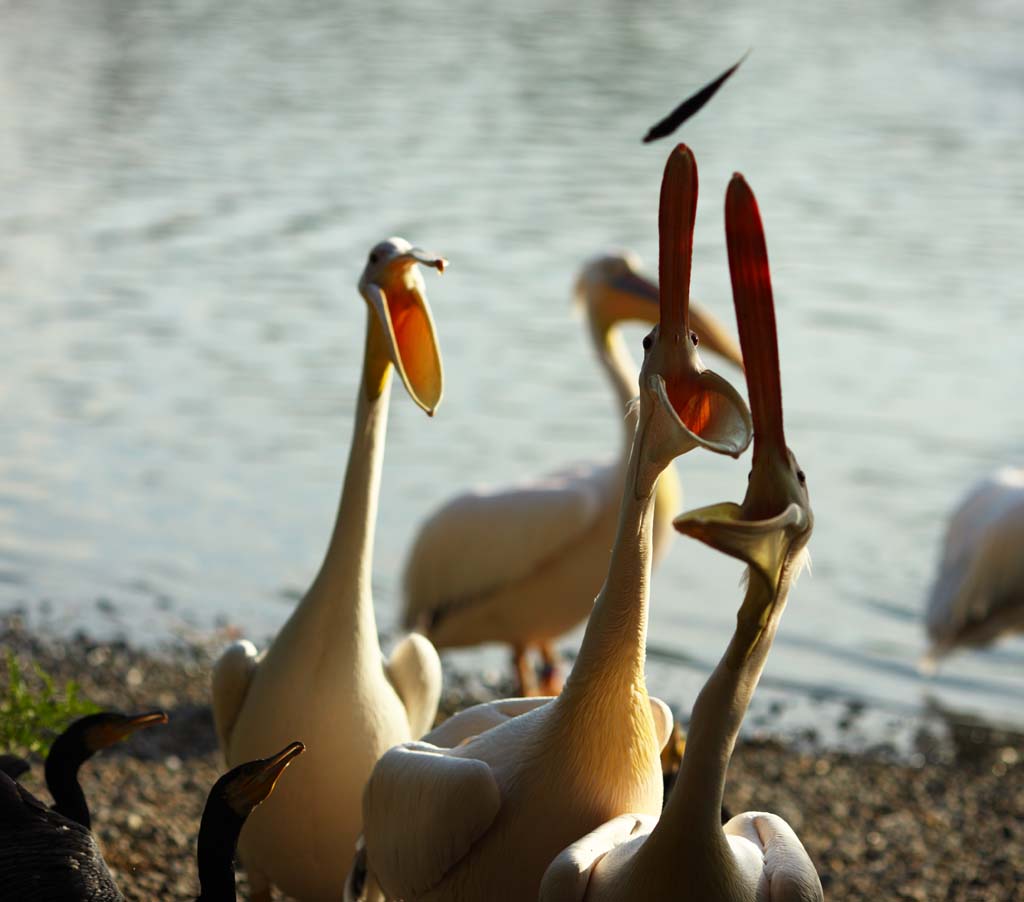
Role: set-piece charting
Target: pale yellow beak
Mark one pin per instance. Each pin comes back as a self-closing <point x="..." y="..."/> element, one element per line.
<point x="399" y="300"/>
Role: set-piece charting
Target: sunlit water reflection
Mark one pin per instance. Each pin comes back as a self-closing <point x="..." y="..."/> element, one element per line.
<point x="189" y="191"/>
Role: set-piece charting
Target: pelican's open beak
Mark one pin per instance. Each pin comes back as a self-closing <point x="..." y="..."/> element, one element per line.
<point x="709" y="411"/>
<point x="775" y="516"/>
<point x="256" y="780"/>
<point x="105" y="735"/>
<point x="762" y="544"/>
<point x="398" y="298"/>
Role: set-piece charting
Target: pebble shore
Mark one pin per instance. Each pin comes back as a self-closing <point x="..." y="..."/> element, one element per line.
<point x="949" y="826"/>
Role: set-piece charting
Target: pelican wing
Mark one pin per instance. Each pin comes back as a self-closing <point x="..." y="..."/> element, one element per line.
<point x="770" y="855"/>
<point x="663" y="720"/>
<point x="481" y="541"/>
<point x="422" y="811"/>
<point x="568" y="876"/>
<point x="471" y="722"/>
<point x="414" y="669"/>
<point x="979" y="591"/>
<point x="232" y="674"/>
<point x="460" y="728"/>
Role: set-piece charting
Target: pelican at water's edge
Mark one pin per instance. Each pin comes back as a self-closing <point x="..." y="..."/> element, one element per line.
<point x="978" y="593"/>
<point x="323" y="677"/>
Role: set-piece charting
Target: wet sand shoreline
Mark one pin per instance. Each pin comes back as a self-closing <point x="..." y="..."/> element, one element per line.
<point x="947" y="826"/>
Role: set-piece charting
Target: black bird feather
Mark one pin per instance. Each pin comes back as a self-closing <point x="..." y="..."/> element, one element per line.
<point x="14" y="766"/>
<point x="46" y="857"/>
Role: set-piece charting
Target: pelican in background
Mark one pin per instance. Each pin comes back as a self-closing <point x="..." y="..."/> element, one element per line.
<point x="688" y="854"/>
<point x="523" y="565"/>
<point x="323" y="677"/>
<point x="469" y="815"/>
<point x="978" y="594"/>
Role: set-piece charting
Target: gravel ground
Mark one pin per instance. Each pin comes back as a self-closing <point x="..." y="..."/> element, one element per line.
<point x="948" y="827"/>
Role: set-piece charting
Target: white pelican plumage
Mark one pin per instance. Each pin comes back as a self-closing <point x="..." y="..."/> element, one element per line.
<point x="469" y="815"/>
<point x="687" y="854"/>
<point x="978" y="594"/>
<point x="323" y="678"/>
<point x="522" y="565"/>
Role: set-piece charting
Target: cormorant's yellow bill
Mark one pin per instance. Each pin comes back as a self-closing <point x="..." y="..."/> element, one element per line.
<point x="112" y="727"/>
<point x="253" y="782"/>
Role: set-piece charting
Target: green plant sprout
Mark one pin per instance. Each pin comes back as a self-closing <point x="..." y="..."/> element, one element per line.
<point x="29" y="720"/>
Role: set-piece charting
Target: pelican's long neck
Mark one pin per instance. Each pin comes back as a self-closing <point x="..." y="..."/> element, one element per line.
<point x="692" y="816"/>
<point x="612" y="656"/>
<point x="340" y="599"/>
<point x="620" y="367"/>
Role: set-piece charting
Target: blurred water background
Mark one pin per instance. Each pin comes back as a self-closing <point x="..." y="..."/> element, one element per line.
<point x="187" y="194"/>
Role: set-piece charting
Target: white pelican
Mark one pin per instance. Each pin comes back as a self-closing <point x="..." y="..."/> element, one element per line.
<point x="688" y="854"/>
<point x="978" y="594"/>
<point x="522" y="565"/>
<point x="323" y="678"/>
<point x="470" y="817"/>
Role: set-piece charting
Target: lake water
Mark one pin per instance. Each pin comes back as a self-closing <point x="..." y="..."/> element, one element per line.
<point x="189" y="190"/>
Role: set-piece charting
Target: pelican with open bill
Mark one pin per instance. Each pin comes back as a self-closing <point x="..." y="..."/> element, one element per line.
<point x="687" y="855"/>
<point x="323" y="677"/>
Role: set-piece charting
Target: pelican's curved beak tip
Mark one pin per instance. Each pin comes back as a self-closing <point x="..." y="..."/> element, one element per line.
<point x="427" y="259"/>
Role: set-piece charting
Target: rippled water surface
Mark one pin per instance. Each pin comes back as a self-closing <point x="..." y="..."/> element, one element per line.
<point x="189" y="190"/>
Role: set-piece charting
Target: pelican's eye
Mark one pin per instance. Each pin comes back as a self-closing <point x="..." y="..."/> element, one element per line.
<point x="801" y="476"/>
<point x="694" y="339"/>
<point x="648" y="341"/>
